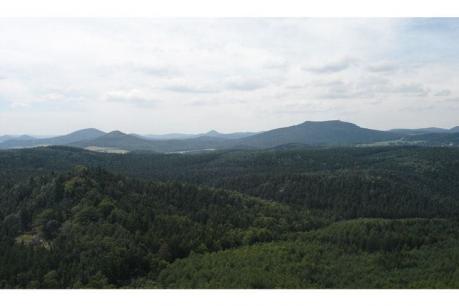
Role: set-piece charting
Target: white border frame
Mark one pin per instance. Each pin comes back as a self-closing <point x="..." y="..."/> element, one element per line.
<point x="229" y="8"/>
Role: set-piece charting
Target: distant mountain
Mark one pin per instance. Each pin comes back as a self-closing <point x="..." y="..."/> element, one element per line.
<point x="211" y="133"/>
<point x="116" y="139"/>
<point x="80" y="135"/>
<point x="429" y="130"/>
<point x="333" y="132"/>
<point x="306" y="134"/>
<point x="192" y="145"/>
<point x="214" y="133"/>
<point x="119" y="140"/>
<point x="168" y="136"/>
<point x="24" y="137"/>
<point x="6" y="137"/>
<point x="17" y="137"/>
<point x="29" y="142"/>
<point x="435" y="139"/>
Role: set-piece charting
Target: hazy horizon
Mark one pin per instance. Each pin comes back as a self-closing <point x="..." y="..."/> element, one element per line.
<point x="196" y="133"/>
<point x="160" y="76"/>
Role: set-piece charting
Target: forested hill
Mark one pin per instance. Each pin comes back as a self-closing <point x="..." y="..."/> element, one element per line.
<point x="364" y="253"/>
<point x="381" y="217"/>
<point x="215" y="165"/>
<point x="332" y="132"/>
<point x="357" y="182"/>
<point x="93" y="229"/>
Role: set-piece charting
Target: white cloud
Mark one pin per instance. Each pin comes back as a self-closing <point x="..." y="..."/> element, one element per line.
<point x="443" y="93"/>
<point x="192" y="75"/>
<point x="383" y="68"/>
<point x="332" y="67"/>
<point x="132" y="96"/>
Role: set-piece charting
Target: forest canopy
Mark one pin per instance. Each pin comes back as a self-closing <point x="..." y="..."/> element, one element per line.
<point x="290" y="218"/>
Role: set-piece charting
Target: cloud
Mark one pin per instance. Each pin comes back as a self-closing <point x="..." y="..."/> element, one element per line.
<point x="368" y="88"/>
<point x="304" y="108"/>
<point x="157" y="71"/>
<point x="276" y="65"/>
<point x="414" y="89"/>
<point x="187" y="89"/>
<point x="331" y="67"/>
<point x="345" y="94"/>
<point x="19" y="104"/>
<point x="443" y="93"/>
<point x="53" y="96"/>
<point x="133" y="96"/>
<point x="245" y="84"/>
<point x="217" y="103"/>
<point x="451" y="101"/>
<point x="188" y="75"/>
<point x="383" y="68"/>
<point x="418" y="108"/>
<point x="342" y="90"/>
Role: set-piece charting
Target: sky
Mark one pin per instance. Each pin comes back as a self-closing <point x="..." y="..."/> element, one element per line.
<point x="155" y="76"/>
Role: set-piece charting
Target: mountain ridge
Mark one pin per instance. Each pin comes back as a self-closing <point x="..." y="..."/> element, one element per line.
<point x="84" y="134"/>
<point x="331" y="132"/>
<point x="307" y="133"/>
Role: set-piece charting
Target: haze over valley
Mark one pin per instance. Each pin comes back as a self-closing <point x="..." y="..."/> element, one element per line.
<point x="326" y="133"/>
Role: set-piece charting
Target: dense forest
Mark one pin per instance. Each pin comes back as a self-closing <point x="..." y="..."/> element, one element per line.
<point x="289" y="217"/>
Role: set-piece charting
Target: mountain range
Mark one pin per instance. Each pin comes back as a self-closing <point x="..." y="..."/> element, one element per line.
<point x="28" y="141"/>
<point x="429" y="130"/>
<point x="309" y="133"/>
<point x="16" y="137"/>
<point x="212" y="133"/>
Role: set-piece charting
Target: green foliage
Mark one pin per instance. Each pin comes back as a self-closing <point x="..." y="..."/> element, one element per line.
<point x="333" y="258"/>
<point x="382" y="217"/>
<point x="110" y="231"/>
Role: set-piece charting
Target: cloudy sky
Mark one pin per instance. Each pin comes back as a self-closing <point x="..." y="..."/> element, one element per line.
<point x="192" y="75"/>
